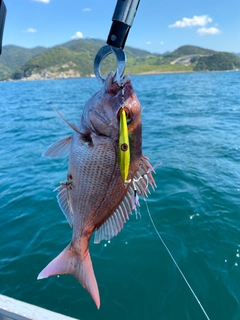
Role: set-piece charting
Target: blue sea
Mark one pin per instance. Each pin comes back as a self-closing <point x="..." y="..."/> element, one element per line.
<point x="191" y="127"/>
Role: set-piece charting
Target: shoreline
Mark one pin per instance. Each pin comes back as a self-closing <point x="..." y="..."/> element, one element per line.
<point x="164" y="72"/>
<point x="131" y="74"/>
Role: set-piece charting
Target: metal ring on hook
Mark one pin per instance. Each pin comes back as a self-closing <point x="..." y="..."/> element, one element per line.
<point x="121" y="62"/>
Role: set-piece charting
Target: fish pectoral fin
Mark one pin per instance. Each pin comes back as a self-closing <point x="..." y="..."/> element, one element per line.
<point x="64" y="201"/>
<point x="58" y="149"/>
<point x="69" y="262"/>
<point x="114" y="224"/>
<point x="139" y="186"/>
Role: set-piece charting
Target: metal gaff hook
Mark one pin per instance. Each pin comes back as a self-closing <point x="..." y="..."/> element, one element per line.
<point x="121" y="62"/>
<point x="122" y="21"/>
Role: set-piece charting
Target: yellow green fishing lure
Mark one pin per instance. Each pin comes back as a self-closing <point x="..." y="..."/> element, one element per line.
<point x="123" y="147"/>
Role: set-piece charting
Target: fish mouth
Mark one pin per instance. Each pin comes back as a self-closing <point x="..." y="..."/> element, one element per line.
<point x="113" y="87"/>
<point x="102" y="117"/>
<point x="122" y="94"/>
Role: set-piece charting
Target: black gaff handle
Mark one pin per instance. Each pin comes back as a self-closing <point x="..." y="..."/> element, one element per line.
<point x="123" y="17"/>
<point x="3" y="12"/>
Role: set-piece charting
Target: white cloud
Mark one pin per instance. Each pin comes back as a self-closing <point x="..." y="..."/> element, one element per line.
<point x="86" y="9"/>
<point x="161" y="42"/>
<point x="148" y="42"/>
<point x="30" y="30"/>
<point x="43" y="1"/>
<point x="206" y="31"/>
<point x="78" y="35"/>
<point x="191" y="22"/>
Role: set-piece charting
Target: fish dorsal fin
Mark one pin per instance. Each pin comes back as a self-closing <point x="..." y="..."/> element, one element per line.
<point x="138" y="187"/>
<point x="58" y="149"/>
<point x="71" y="125"/>
<point x="64" y="201"/>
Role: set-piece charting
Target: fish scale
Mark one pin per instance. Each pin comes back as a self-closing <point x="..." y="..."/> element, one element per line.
<point x="91" y="180"/>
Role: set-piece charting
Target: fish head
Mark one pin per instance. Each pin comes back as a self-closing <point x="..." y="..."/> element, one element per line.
<point x="101" y="112"/>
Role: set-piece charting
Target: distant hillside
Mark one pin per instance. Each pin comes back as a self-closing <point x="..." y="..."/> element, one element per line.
<point x="218" y="62"/>
<point x="13" y="57"/>
<point x="56" y="61"/>
<point x="72" y="59"/>
<point x="5" y="72"/>
<point x="188" y="50"/>
<point x="93" y="45"/>
<point x="75" y="59"/>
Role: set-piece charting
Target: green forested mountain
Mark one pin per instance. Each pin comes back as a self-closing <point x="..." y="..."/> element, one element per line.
<point x="57" y="59"/>
<point x="188" y="50"/>
<point x="93" y="45"/>
<point x="14" y="56"/>
<point x="217" y="62"/>
<point x="75" y="59"/>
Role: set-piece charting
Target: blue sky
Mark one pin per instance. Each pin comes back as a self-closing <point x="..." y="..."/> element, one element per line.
<point x="159" y="26"/>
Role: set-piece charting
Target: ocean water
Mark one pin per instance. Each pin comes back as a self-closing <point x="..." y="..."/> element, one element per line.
<point x="191" y="126"/>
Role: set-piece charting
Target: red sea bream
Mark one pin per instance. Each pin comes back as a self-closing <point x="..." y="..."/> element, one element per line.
<point x="95" y="198"/>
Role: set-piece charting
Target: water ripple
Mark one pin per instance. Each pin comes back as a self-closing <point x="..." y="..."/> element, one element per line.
<point x="191" y="126"/>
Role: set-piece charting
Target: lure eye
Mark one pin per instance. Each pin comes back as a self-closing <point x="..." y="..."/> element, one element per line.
<point x="124" y="147"/>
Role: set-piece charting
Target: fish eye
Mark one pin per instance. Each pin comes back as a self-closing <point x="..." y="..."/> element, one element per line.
<point x="128" y="111"/>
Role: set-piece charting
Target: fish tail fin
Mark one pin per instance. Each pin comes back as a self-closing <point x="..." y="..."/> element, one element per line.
<point x="68" y="261"/>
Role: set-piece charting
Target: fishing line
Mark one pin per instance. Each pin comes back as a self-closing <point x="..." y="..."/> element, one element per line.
<point x="184" y="278"/>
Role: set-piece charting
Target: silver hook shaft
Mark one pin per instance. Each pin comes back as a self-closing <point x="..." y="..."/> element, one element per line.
<point x="121" y="62"/>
